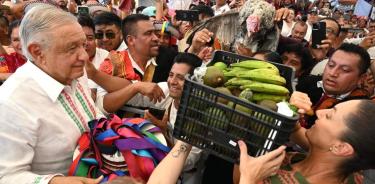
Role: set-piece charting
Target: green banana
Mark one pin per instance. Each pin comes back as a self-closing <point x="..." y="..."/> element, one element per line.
<point x="263" y="77"/>
<point x="262" y="70"/>
<point x="254" y="64"/>
<point x="266" y="88"/>
<point x="237" y="82"/>
<point x="262" y="96"/>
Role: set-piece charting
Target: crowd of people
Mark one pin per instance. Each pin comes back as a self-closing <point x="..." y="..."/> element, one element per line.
<point x="62" y="66"/>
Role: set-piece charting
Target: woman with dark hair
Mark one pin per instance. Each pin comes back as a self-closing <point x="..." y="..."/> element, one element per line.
<point x="10" y="62"/>
<point x="340" y="145"/>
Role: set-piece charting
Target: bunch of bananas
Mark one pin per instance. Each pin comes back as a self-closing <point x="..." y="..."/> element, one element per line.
<point x="260" y="78"/>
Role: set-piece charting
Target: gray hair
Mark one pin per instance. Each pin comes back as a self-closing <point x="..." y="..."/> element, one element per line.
<point x="38" y="24"/>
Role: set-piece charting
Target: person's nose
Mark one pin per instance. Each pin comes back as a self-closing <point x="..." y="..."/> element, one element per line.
<point x="83" y="55"/>
<point x="334" y="72"/>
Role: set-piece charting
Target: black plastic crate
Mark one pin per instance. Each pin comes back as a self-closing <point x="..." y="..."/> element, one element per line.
<point x="204" y="122"/>
<point x="229" y="58"/>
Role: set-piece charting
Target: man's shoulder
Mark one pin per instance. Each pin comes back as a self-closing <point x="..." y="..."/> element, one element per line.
<point x="16" y="88"/>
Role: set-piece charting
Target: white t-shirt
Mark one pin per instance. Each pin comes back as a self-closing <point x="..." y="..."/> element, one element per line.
<point x="221" y="10"/>
<point x="100" y="56"/>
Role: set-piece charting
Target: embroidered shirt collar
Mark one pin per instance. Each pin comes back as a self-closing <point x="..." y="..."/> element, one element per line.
<point x="319" y="84"/>
<point x="136" y="66"/>
<point x="52" y="87"/>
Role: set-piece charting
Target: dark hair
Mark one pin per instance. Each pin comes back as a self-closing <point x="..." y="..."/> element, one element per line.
<point x="140" y="9"/>
<point x="129" y="24"/>
<point x="86" y="21"/>
<point x="334" y="20"/>
<point x="360" y="135"/>
<point x="364" y="57"/>
<point x="107" y="18"/>
<point x="13" y="25"/>
<point x="271" y="56"/>
<point x="190" y="59"/>
<point x="307" y="61"/>
<point x="302" y="23"/>
<point x="205" y="10"/>
<point x="4" y="22"/>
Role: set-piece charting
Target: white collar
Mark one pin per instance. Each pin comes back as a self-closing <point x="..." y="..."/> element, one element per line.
<point x="122" y="46"/>
<point x="48" y="84"/>
<point x="136" y="66"/>
<point x="319" y="84"/>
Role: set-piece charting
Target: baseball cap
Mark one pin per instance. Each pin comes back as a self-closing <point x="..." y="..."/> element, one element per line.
<point x="168" y="28"/>
<point x="149" y="11"/>
<point x="313" y="10"/>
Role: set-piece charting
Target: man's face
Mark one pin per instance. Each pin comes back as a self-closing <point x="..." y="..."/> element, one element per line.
<point x="332" y="30"/>
<point x="371" y="27"/>
<point x="220" y="2"/>
<point x="61" y="3"/>
<point x="313" y="17"/>
<point x="341" y="74"/>
<point x="292" y="60"/>
<point x="164" y="40"/>
<point x="15" y="40"/>
<point x="91" y="45"/>
<point x="176" y="79"/>
<point x="299" y="32"/>
<point x="108" y="37"/>
<point x="65" y="57"/>
<point x="185" y="27"/>
<point x="145" y="42"/>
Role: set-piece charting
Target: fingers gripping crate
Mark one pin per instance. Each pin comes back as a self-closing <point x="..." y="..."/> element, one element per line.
<point x="229" y="58"/>
<point x="215" y="121"/>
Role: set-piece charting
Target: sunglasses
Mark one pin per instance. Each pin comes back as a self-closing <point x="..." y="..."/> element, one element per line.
<point x="107" y="35"/>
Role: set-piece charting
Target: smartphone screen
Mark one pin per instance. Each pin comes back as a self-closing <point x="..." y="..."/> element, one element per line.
<point x="83" y="10"/>
<point x="187" y="15"/>
<point x="158" y="113"/>
<point x="318" y="34"/>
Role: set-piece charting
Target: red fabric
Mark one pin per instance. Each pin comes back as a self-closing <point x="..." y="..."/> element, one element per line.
<point x="125" y="5"/>
<point x="10" y="62"/>
<point x="129" y="73"/>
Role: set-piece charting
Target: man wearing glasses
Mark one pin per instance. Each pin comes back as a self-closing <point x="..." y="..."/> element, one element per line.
<point x="108" y="32"/>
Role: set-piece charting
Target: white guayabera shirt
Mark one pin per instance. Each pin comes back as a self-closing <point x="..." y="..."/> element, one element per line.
<point x="41" y="121"/>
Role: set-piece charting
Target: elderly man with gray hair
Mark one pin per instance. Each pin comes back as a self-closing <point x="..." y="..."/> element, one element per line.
<point x="45" y="105"/>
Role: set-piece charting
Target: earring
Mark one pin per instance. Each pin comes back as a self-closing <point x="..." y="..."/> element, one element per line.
<point x="330" y="148"/>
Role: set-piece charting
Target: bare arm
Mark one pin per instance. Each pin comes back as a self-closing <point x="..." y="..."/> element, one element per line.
<point x="4" y="76"/>
<point x="107" y="82"/>
<point x="169" y="169"/>
<point x="115" y="100"/>
<point x="159" y="9"/>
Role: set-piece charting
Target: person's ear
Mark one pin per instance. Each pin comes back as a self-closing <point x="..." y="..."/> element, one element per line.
<point x="36" y="53"/>
<point x="130" y="39"/>
<point x="343" y="149"/>
<point x="362" y="79"/>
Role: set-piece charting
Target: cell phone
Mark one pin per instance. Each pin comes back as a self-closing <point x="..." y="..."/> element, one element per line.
<point x="318" y="34"/>
<point x="356" y="30"/>
<point x="157" y="113"/>
<point x="187" y="15"/>
<point x="83" y="10"/>
<point x="280" y="24"/>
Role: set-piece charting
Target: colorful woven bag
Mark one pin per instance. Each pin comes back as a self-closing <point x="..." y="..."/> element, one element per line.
<point x="114" y="147"/>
